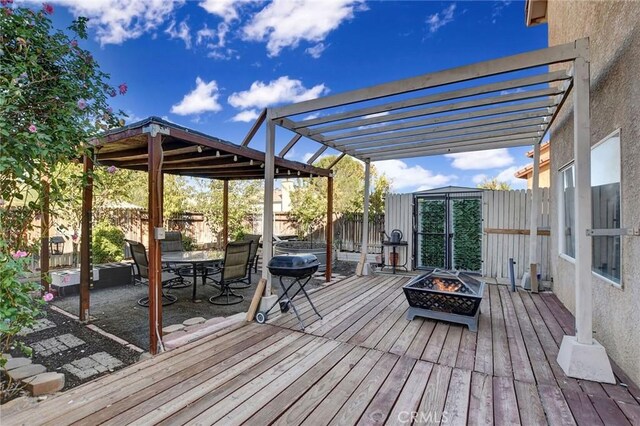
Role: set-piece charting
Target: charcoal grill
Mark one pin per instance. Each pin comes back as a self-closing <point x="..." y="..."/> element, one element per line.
<point x="445" y="295"/>
<point x="299" y="269"/>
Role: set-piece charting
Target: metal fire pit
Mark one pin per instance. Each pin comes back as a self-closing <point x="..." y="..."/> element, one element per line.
<point x="445" y="295"/>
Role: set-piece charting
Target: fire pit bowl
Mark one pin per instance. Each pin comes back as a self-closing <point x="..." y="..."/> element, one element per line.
<point x="445" y="295"/>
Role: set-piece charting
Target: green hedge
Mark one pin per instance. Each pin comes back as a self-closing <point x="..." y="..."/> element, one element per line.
<point x="108" y="243"/>
<point x="467" y="234"/>
<point x="432" y="220"/>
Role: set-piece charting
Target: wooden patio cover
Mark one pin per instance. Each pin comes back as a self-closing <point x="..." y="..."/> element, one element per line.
<point x="187" y="152"/>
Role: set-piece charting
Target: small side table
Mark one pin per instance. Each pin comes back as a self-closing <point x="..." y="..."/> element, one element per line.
<point x="394" y="246"/>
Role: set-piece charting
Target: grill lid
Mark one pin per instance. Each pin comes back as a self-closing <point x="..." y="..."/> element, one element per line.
<point x="294" y="262"/>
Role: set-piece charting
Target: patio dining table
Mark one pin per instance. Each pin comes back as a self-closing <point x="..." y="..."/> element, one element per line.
<point x="199" y="260"/>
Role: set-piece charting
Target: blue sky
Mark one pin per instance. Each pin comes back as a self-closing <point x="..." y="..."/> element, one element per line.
<point x="212" y="65"/>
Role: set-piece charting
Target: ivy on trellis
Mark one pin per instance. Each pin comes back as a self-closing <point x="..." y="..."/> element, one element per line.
<point x="432" y="221"/>
<point x="467" y="234"/>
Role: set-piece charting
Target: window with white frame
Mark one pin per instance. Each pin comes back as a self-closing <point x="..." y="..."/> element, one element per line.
<point x="567" y="213"/>
<point x="605" y="202"/>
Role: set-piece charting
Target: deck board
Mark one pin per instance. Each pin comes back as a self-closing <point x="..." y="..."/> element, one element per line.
<point x="364" y="363"/>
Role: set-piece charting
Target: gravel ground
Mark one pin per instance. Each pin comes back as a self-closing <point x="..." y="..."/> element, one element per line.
<point x="93" y="343"/>
<point x="115" y="309"/>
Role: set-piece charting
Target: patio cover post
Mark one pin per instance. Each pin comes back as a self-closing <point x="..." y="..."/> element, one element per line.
<point x="225" y="212"/>
<point x="535" y="215"/>
<point x="362" y="266"/>
<point x="154" y="147"/>
<point x="329" y="228"/>
<point x="44" y="235"/>
<point x="267" y="217"/>
<point x="581" y="356"/>
<point x="86" y="257"/>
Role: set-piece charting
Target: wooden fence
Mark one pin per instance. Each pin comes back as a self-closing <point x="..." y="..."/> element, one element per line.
<point x="399" y="215"/>
<point x="347" y="233"/>
<point x="506" y="223"/>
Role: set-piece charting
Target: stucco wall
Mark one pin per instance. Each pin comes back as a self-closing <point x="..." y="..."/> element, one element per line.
<point x="614" y="32"/>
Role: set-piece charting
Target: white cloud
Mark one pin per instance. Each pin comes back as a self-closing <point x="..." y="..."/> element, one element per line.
<point x="480" y="160"/>
<point x="204" y="98"/>
<point x="316" y="51"/>
<point x="205" y="33"/>
<point x="183" y="32"/>
<point x="478" y="179"/>
<point x="246" y="116"/>
<point x="116" y="21"/>
<point x="414" y="178"/>
<point x="440" y="19"/>
<point x="284" y="89"/>
<point x="508" y="175"/>
<point x="285" y="23"/>
<point x="225" y="9"/>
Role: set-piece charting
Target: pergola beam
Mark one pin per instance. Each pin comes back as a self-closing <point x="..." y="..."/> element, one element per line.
<point x="453" y="149"/>
<point x="426" y="126"/>
<point x="337" y="160"/>
<point x="254" y="128"/>
<point x="86" y="258"/>
<point x="317" y="154"/>
<point x="473" y="103"/>
<point x="537" y="58"/>
<point x="290" y="145"/>
<point x="496" y="136"/>
<point x="481" y="131"/>
<point x="438" y="97"/>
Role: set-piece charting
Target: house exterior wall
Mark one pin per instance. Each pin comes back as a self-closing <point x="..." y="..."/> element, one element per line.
<point x="544" y="178"/>
<point x="614" y="32"/>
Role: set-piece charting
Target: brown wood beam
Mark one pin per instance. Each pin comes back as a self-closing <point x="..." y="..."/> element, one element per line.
<point x="290" y="145"/>
<point x="336" y="161"/>
<point x="86" y="258"/>
<point x="155" y="221"/>
<point x="541" y="231"/>
<point x="329" y="228"/>
<point x="225" y="213"/>
<point x="246" y="165"/>
<point x="115" y="137"/>
<point x="134" y="155"/>
<point x="45" y="224"/>
<point x="254" y="128"/>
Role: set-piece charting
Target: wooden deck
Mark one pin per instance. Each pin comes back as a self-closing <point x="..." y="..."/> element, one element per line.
<point x="364" y="363"/>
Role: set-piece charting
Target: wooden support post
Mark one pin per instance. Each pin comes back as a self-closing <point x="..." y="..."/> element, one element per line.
<point x="535" y="217"/>
<point x="45" y="224"/>
<point x="581" y="356"/>
<point x="155" y="221"/>
<point x="329" y="228"/>
<point x="362" y="266"/>
<point x="267" y="218"/>
<point x="86" y="257"/>
<point x="225" y="213"/>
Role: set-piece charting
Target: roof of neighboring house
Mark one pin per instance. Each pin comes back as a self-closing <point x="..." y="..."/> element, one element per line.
<point x="526" y="170"/>
<point x="535" y="12"/>
<point x="543" y="148"/>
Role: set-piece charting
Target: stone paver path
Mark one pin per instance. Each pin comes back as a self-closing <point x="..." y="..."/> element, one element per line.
<point x="41" y="324"/>
<point x="56" y="344"/>
<point x="93" y="364"/>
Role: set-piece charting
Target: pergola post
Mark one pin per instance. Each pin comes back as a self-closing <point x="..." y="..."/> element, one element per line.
<point x="154" y="147"/>
<point x="362" y="266"/>
<point x="44" y="235"/>
<point x="86" y="258"/>
<point x="581" y="356"/>
<point x="535" y="215"/>
<point x="329" y="228"/>
<point x="267" y="217"/>
<point x="225" y="212"/>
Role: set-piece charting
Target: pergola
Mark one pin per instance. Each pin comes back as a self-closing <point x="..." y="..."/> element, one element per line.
<point x="475" y="107"/>
<point x="159" y="147"/>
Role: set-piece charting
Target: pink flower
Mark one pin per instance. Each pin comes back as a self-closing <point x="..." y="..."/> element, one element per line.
<point x="112" y="93"/>
<point x="123" y="88"/>
<point x="82" y="104"/>
<point x="48" y="297"/>
<point x="18" y="254"/>
<point x="74" y="43"/>
<point x="111" y="169"/>
<point x="5" y="2"/>
<point x="8" y="12"/>
<point x="47" y="8"/>
<point x="33" y="128"/>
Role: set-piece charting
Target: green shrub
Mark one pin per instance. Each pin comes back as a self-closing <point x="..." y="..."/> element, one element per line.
<point x="108" y="243"/>
<point x="188" y="243"/>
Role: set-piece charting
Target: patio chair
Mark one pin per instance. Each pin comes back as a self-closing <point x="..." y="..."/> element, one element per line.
<point x="233" y="270"/>
<point x="173" y="243"/>
<point x="253" y="258"/>
<point x="139" y="254"/>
